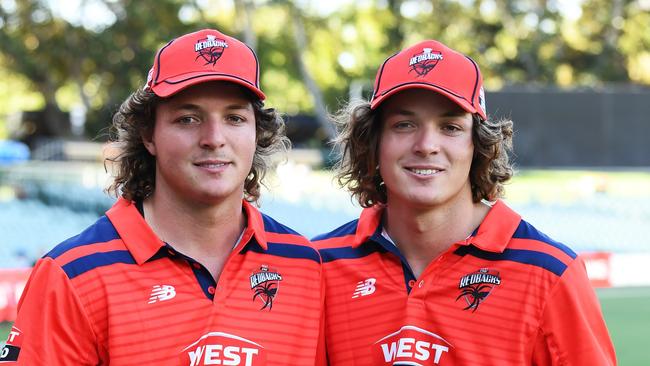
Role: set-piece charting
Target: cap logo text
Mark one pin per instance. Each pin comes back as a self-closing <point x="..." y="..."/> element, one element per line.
<point x="210" y="49"/>
<point x="424" y="62"/>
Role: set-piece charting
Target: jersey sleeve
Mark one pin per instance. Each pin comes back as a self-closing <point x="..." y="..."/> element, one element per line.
<point x="572" y="329"/>
<point x="51" y="327"/>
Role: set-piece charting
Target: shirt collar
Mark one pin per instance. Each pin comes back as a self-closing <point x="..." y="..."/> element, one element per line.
<point x="493" y="234"/>
<point x="368" y="224"/>
<point x="255" y="227"/>
<point x="136" y="234"/>
<point x="143" y="243"/>
<point x="496" y="229"/>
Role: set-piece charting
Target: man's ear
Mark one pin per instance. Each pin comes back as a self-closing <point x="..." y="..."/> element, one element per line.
<point x="147" y="141"/>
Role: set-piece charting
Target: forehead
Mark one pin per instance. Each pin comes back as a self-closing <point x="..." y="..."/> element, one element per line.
<point x="421" y="101"/>
<point x="221" y="91"/>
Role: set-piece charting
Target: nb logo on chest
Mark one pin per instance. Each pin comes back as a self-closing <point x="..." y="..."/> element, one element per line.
<point x="365" y="288"/>
<point x="162" y="293"/>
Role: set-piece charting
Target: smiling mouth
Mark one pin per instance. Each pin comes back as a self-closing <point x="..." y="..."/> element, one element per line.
<point x="423" y="172"/>
<point x="211" y="165"/>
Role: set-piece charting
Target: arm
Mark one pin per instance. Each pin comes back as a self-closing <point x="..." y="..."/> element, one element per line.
<point x="572" y="329"/>
<point x="52" y="327"/>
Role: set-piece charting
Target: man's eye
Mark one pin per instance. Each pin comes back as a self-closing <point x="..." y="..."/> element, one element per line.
<point x="236" y="119"/>
<point x="186" y="120"/>
<point x="451" y="128"/>
<point x="403" y="125"/>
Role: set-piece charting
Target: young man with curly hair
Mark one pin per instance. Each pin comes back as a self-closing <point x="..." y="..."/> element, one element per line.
<point x="437" y="270"/>
<point x="183" y="269"/>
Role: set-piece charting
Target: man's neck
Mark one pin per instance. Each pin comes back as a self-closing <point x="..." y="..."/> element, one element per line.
<point x="206" y="233"/>
<point x="422" y="235"/>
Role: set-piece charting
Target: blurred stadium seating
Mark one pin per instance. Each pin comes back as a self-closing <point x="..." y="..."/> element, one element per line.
<point x="30" y="228"/>
<point x="602" y="223"/>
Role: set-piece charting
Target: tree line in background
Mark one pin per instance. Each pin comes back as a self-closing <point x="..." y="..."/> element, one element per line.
<point x="314" y="57"/>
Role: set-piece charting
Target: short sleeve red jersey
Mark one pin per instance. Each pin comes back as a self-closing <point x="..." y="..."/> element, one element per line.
<point x="116" y="294"/>
<point x="507" y="295"/>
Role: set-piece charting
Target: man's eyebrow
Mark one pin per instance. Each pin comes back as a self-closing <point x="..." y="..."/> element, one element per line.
<point x="196" y="107"/>
<point x="455" y="113"/>
<point x="399" y="111"/>
<point x="239" y="106"/>
<point x="188" y="106"/>
<point x="406" y="112"/>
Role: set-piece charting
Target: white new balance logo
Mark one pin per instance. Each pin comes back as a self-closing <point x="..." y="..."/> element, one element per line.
<point x="162" y="293"/>
<point x="364" y="288"/>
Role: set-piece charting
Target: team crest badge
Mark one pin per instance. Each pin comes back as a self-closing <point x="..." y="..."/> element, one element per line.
<point x="210" y="49"/>
<point x="477" y="286"/>
<point x="265" y="284"/>
<point x="424" y="62"/>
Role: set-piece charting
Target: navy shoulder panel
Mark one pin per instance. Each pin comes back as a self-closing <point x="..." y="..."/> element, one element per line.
<point x="285" y="250"/>
<point x="349" y="228"/>
<point x="99" y="232"/>
<point x="538" y="259"/>
<point x="87" y="263"/>
<point x="528" y="231"/>
<point x="363" y="250"/>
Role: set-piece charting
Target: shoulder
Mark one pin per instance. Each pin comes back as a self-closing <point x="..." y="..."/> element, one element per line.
<point x="349" y="242"/>
<point x="98" y="245"/>
<point x="101" y="231"/>
<point x="531" y="246"/>
<point x="537" y="240"/>
<point x="341" y="236"/>
<point x="286" y="242"/>
<point x="519" y="243"/>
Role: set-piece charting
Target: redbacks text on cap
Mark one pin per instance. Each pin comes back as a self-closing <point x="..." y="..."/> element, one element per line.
<point x="203" y="56"/>
<point x="432" y="65"/>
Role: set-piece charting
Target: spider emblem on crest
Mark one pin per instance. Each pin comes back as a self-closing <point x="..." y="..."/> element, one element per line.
<point x="265" y="284"/>
<point x="210" y="49"/>
<point x="475" y="287"/>
<point x="424" y="62"/>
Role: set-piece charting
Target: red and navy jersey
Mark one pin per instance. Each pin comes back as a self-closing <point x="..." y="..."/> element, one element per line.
<point x="116" y="294"/>
<point x="507" y="295"/>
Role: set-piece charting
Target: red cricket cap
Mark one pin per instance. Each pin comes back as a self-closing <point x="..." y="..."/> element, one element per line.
<point x="434" y="66"/>
<point x="203" y="56"/>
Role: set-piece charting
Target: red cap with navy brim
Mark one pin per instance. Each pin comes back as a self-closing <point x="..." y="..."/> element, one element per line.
<point x="434" y="66"/>
<point x="202" y="56"/>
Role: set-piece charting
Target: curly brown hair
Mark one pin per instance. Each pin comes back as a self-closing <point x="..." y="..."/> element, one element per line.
<point x="358" y="140"/>
<point x="135" y="168"/>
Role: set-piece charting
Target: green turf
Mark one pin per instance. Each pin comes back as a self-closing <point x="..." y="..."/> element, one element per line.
<point x="627" y="313"/>
<point x="5" y="327"/>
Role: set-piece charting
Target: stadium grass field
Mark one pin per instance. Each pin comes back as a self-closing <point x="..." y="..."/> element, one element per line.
<point x="627" y="314"/>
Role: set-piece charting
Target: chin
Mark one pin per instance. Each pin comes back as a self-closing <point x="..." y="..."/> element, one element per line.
<point x="420" y="200"/>
<point x="426" y="203"/>
<point x="209" y="196"/>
